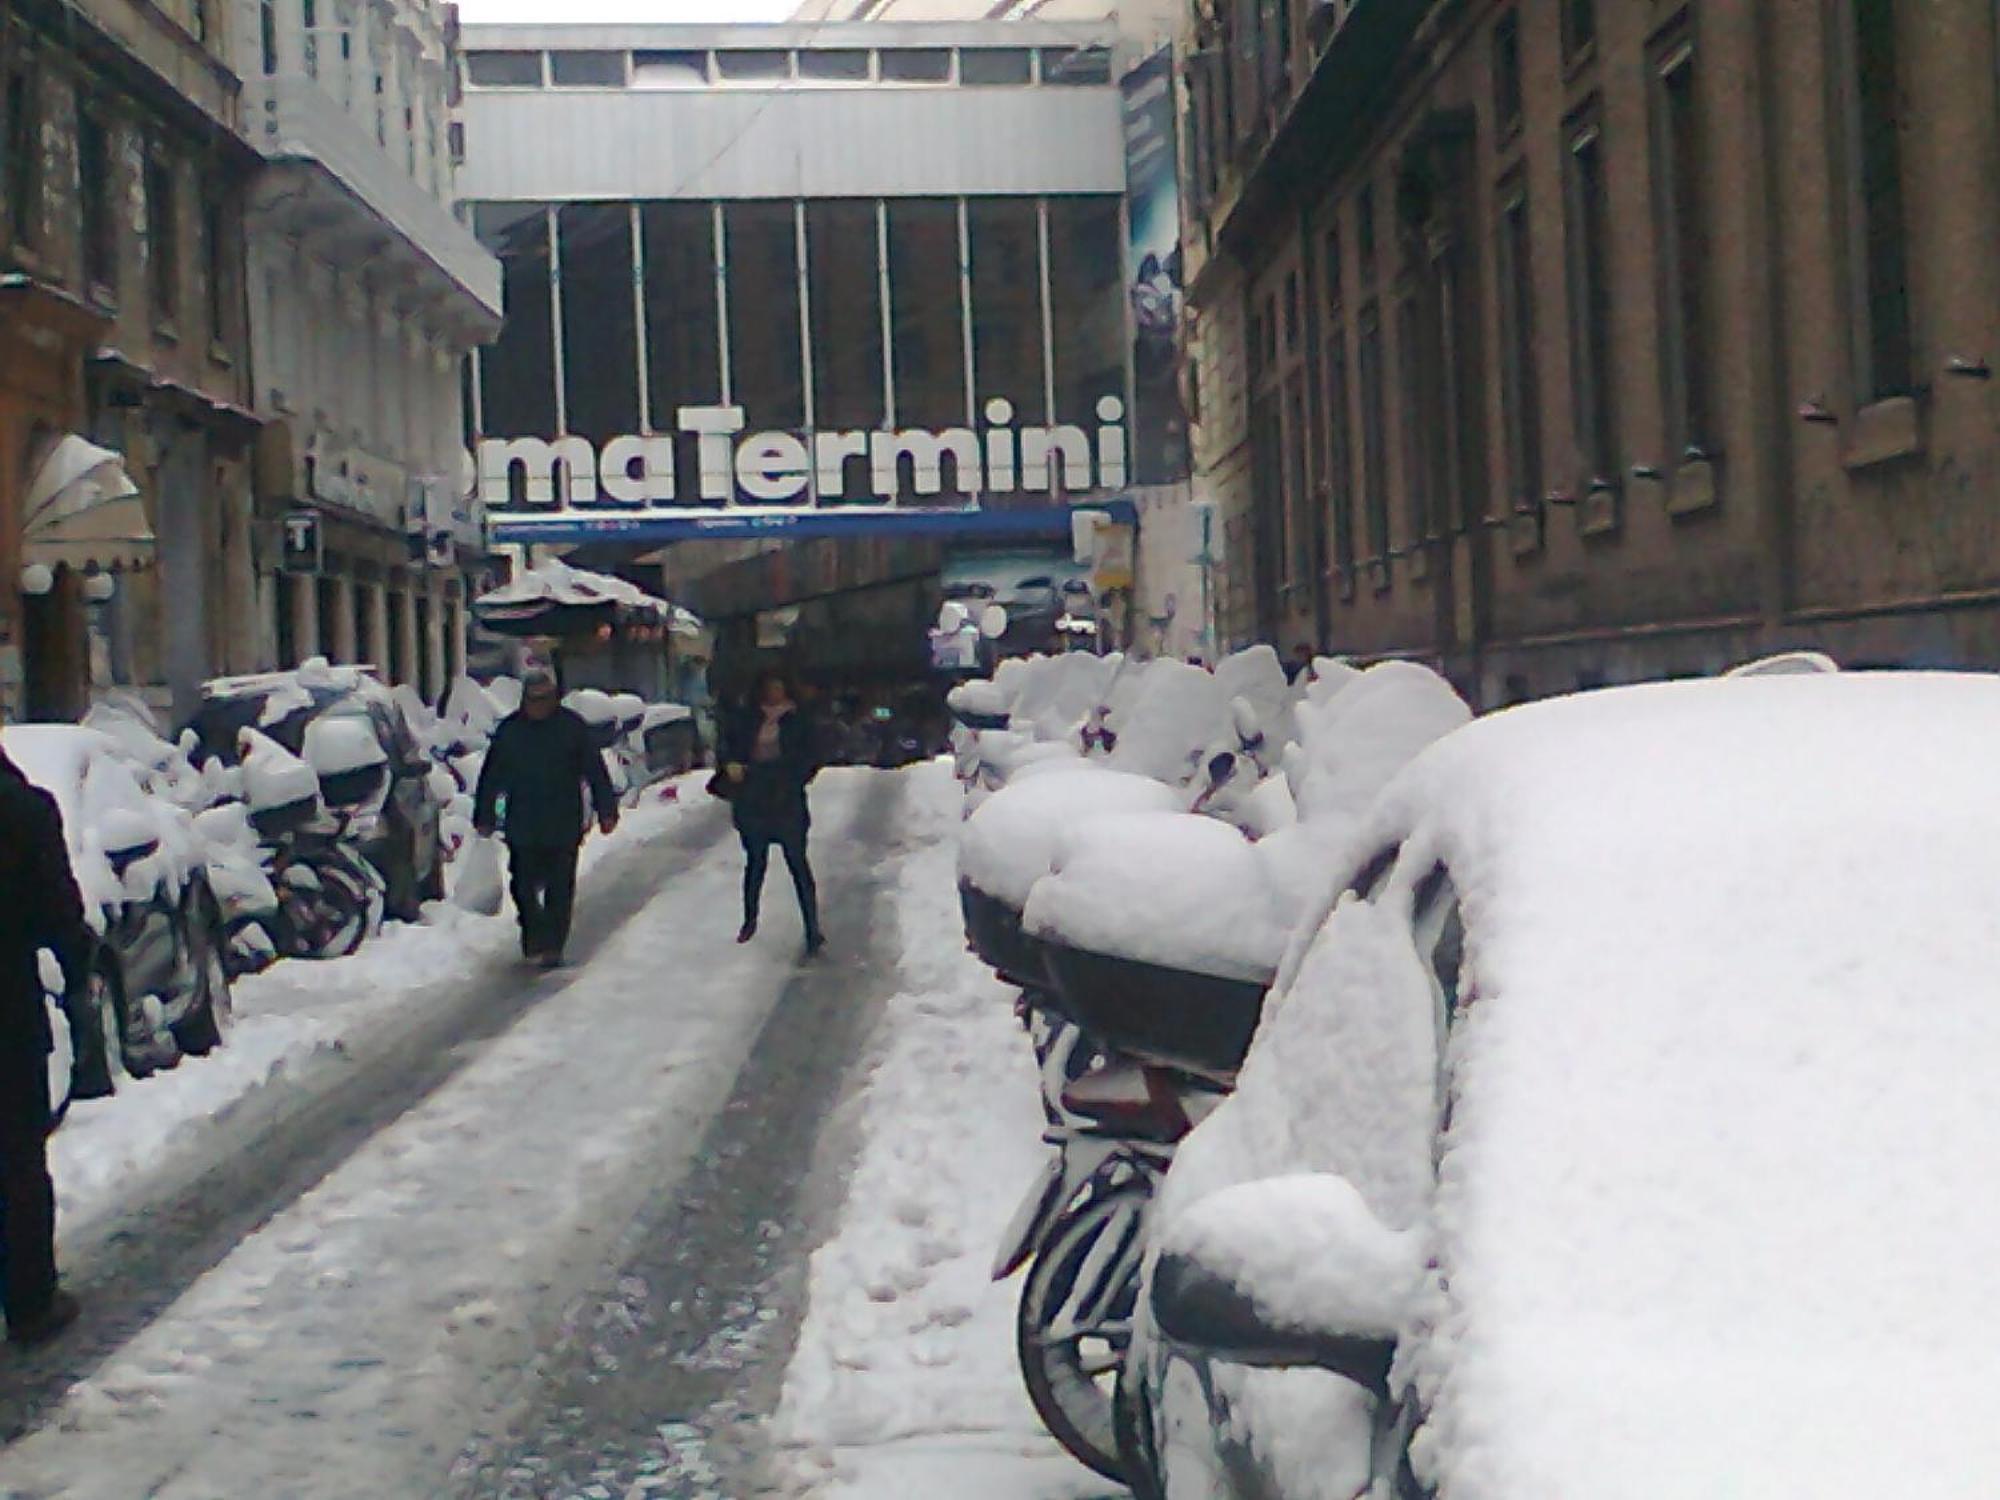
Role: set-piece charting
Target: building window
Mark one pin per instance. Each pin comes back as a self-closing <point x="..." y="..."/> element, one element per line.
<point x="835" y="65"/>
<point x="996" y="66"/>
<point x="267" y="35"/>
<point x="1589" y="270"/>
<point x="221" y="269"/>
<point x="503" y="70"/>
<point x="1507" y="73"/>
<point x="1520" y="408"/>
<point x="1078" y="67"/>
<point x="1300" y="565"/>
<point x="1415" y="427"/>
<point x="683" y="323"/>
<point x="600" y="341"/>
<point x="587" y="70"/>
<point x="1885" y="358"/>
<point x="163" y="235"/>
<point x="1374" y="434"/>
<point x="1291" y="312"/>
<point x="1579" y="28"/>
<point x="1339" y="445"/>
<point x="753" y="65"/>
<point x="1683" y="243"/>
<point x="22" y="161"/>
<point x="846" y="285"/>
<point x="1364" y="231"/>
<point x="95" y="192"/>
<point x="1335" y="275"/>
<point x="454" y="136"/>
<point x="916" y="65"/>
<point x="669" y="70"/>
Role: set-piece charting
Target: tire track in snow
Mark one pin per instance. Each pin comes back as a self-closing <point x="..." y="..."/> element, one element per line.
<point x="270" y="1149"/>
<point x="668" y="1368"/>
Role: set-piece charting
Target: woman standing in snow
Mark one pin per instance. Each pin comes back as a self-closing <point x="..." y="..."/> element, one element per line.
<point x="768" y="759"/>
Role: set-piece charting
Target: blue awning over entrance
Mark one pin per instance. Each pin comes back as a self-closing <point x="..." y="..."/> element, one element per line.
<point x="571" y="528"/>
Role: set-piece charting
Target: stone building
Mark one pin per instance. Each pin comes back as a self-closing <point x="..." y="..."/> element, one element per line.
<point x="366" y="295"/>
<point x="1564" y="342"/>
<point x="122" y="182"/>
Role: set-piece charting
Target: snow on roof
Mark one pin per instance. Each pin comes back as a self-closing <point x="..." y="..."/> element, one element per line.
<point x="556" y="583"/>
<point x="1720" y="1170"/>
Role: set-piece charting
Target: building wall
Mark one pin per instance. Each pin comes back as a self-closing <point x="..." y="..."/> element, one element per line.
<point x="130" y="202"/>
<point x="366" y="296"/>
<point x="1675" y="532"/>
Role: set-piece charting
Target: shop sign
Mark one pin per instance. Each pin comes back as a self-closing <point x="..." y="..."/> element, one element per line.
<point x="304" y="546"/>
<point x="735" y="468"/>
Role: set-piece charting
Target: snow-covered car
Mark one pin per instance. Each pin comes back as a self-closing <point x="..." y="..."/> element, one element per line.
<point x="371" y="768"/>
<point x="1623" y="1130"/>
<point x="158" y="985"/>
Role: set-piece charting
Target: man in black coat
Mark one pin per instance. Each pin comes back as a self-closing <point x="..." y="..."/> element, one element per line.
<point x="540" y="761"/>
<point x="41" y="909"/>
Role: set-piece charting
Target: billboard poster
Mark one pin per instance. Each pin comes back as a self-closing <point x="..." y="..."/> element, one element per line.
<point x="1158" y="425"/>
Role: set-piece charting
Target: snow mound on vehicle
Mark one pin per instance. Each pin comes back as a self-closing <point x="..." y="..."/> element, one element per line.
<point x="1165" y="888"/>
<point x="1014" y="837"/>
<point x="1172" y="716"/>
<point x="1359" y="738"/>
<point x="272" y="775"/>
<point x="1256" y="677"/>
<point x="592" y="706"/>
<point x="338" y="743"/>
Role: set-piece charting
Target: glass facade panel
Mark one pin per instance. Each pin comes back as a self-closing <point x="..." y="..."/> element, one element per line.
<point x="846" y="315"/>
<point x="599" y="326"/>
<point x="504" y="70"/>
<point x="765" y="357"/>
<point x="917" y="65"/>
<point x="834" y="65"/>
<point x="683" y="346"/>
<point x="1087" y="305"/>
<point x="1076" y="66"/>
<point x="761" y="65"/>
<point x="584" y="70"/>
<point x="669" y="70"/>
<point x="996" y="65"/>
<point x="929" y="332"/>
<point x="517" y="373"/>
<point x="1007" y="304"/>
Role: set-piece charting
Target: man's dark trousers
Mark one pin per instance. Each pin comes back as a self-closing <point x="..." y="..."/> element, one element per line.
<point x="27" y="1197"/>
<point x="543" y="879"/>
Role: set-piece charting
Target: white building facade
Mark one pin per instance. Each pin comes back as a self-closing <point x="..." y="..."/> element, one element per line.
<point x="366" y="295"/>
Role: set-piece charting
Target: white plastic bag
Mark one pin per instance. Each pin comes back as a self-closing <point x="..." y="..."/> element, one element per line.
<point x="478" y="888"/>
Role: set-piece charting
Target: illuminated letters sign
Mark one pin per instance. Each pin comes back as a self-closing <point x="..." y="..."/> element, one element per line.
<point x="522" y="480"/>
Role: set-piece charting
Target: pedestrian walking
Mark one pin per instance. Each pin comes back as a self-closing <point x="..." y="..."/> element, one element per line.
<point x="768" y="759"/>
<point x="532" y="787"/>
<point x="42" y="909"/>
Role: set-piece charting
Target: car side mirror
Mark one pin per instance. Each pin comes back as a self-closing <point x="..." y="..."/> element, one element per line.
<point x="1287" y="1272"/>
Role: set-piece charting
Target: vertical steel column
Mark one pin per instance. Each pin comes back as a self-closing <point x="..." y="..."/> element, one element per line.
<point x="801" y="254"/>
<point x="888" y="313"/>
<point x="722" y="301"/>
<point x="1048" y="314"/>
<point x="965" y="313"/>
<point x="556" y="321"/>
<point x="641" y="342"/>
<point x="478" y="394"/>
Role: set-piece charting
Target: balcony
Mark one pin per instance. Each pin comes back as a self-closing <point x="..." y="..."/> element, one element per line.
<point x="344" y="194"/>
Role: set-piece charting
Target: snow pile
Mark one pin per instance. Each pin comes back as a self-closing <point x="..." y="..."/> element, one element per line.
<point x="1255" y="676"/>
<point x="273" y="777"/>
<point x="592" y="705"/>
<point x="1721" y="1141"/>
<point x="1013" y="839"/>
<point x="1164" y="888"/>
<point x="904" y="1380"/>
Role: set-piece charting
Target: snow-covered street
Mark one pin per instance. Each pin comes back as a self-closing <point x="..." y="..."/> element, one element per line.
<point x="434" y="1225"/>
